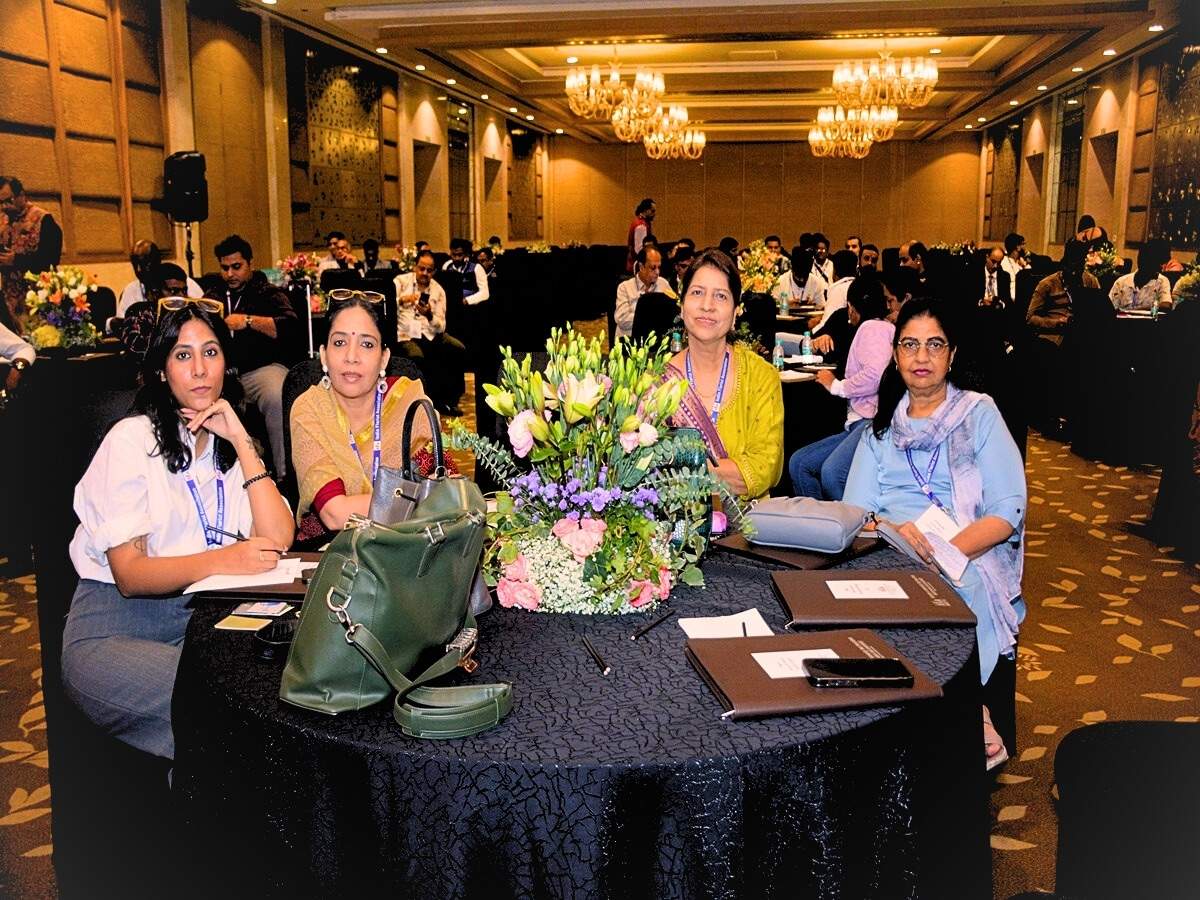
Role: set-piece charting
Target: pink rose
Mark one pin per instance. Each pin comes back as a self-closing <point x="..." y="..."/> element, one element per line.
<point x="647" y="435"/>
<point x="582" y="544"/>
<point x="642" y="593"/>
<point x="629" y="441"/>
<point x="563" y="527"/>
<point x="664" y="582"/>
<point x="519" y="434"/>
<point x="518" y="593"/>
<point x="720" y="522"/>
<point x="593" y="526"/>
<point x="517" y="570"/>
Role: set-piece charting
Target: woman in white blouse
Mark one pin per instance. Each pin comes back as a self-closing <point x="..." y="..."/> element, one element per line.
<point x="160" y="507"/>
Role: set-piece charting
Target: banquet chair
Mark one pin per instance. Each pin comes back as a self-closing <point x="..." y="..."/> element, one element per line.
<point x="655" y="314"/>
<point x="331" y="279"/>
<point x="758" y="311"/>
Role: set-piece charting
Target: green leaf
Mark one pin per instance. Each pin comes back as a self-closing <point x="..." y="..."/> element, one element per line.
<point x="508" y="552"/>
<point x="504" y="503"/>
<point x="692" y="576"/>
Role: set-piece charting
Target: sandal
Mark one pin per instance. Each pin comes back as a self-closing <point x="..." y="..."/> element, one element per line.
<point x="991" y="739"/>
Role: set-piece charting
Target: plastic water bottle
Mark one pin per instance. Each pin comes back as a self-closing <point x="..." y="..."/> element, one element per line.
<point x="806" y="347"/>
<point x="1154" y="308"/>
<point x="777" y="354"/>
<point x="784" y="308"/>
<point x="676" y="340"/>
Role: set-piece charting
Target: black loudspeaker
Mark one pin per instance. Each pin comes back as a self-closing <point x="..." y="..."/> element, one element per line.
<point x="185" y="189"/>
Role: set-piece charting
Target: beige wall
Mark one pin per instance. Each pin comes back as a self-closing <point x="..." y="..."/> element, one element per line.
<point x="227" y="95"/>
<point x="491" y="174"/>
<point x="902" y="190"/>
<point x="424" y="165"/>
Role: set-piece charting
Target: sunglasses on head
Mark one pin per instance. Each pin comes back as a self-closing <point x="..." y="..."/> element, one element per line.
<point x="174" y="304"/>
<point x="347" y="294"/>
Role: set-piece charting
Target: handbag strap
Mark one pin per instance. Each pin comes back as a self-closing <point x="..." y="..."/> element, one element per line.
<point x="436" y="712"/>
<point x="439" y="458"/>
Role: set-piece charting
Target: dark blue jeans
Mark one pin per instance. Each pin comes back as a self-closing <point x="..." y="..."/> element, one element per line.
<point x="820" y="469"/>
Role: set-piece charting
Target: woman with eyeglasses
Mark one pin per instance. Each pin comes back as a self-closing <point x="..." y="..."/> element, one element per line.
<point x="175" y="493"/>
<point x="350" y="424"/>
<point x="735" y="398"/>
<point x="944" y="457"/>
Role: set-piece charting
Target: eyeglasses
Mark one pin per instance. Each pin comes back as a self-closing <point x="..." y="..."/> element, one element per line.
<point x="174" y="304"/>
<point x="935" y="346"/>
<point x="348" y="294"/>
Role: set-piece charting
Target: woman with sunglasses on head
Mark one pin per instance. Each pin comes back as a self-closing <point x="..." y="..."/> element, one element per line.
<point x="350" y="424"/>
<point x="161" y="506"/>
<point x="941" y="454"/>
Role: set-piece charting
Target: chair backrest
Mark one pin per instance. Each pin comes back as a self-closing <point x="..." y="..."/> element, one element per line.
<point x="341" y="278"/>
<point x="104" y="305"/>
<point x="655" y="313"/>
<point x="299" y="379"/>
<point x="758" y="311"/>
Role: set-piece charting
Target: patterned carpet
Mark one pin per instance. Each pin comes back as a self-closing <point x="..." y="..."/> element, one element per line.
<point x="1113" y="633"/>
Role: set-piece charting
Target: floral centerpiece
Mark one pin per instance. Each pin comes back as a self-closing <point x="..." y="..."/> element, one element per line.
<point x="538" y="247"/>
<point x="955" y="248"/>
<point x="59" y="308"/>
<point x="1103" y="261"/>
<point x="612" y="510"/>
<point x="406" y="258"/>
<point x="758" y="270"/>
<point x="1187" y="287"/>
<point x="300" y="269"/>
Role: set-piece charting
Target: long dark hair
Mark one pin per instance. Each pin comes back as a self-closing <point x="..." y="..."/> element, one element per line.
<point x="892" y="386"/>
<point x="720" y="261"/>
<point x="155" y="400"/>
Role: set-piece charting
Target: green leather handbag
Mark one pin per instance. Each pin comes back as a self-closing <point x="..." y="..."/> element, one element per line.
<point x="387" y="611"/>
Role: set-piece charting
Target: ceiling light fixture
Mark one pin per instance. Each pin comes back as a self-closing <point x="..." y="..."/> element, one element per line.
<point x="640" y="108"/>
<point x="885" y="81"/>
<point x="1076" y="69"/>
<point x="441" y="96"/>
<point x="451" y="81"/>
<point x="969" y="126"/>
<point x="849" y="133"/>
<point x="1155" y="27"/>
<point x="353" y="70"/>
<point x="558" y="131"/>
<point x="382" y="51"/>
<point x="671" y="137"/>
<point x="1110" y="52"/>
<point x="935" y="50"/>
<point x="571" y="60"/>
<point x="512" y="109"/>
<point x="1072" y="102"/>
<point x="1042" y="87"/>
<point x="462" y="110"/>
<point x="483" y="96"/>
<point x="270" y="2"/>
<point x="1014" y="102"/>
<point x="529" y="118"/>
<point x="981" y="119"/>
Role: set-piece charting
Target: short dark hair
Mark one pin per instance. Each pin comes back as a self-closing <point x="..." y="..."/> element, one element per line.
<point x="870" y="247"/>
<point x="1085" y="222"/>
<point x="163" y="271"/>
<point x="723" y="263"/>
<point x="687" y="240"/>
<point x="646" y="248"/>
<point x="152" y="252"/>
<point x="866" y="295"/>
<point x="370" y="244"/>
<point x="461" y="244"/>
<point x="819" y="238"/>
<point x="651" y="239"/>
<point x="339" y="235"/>
<point x="854" y="237"/>
<point x="419" y="244"/>
<point x="646" y="203"/>
<point x="728" y="245"/>
<point x="1012" y="241"/>
<point x="845" y="263"/>
<point x="902" y="282"/>
<point x="772" y="237"/>
<point x="495" y="239"/>
<point x="917" y="249"/>
<point x="892" y="386"/>
<point x="487" y="249"/>
<point x="683" y="254"/>
<point x="421" y="254"/>
<point x="13" y="182"/>
<point x="235" y="243"/>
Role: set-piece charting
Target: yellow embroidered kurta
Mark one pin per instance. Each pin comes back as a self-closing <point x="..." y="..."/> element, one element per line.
<point x="751" y="422"/>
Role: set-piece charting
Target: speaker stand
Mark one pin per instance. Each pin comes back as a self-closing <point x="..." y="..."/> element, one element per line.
<point x="188" y="254"/>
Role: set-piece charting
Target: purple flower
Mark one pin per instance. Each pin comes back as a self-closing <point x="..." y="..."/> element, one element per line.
<point x="562" y="504"/>
<point x="573" y="515"/>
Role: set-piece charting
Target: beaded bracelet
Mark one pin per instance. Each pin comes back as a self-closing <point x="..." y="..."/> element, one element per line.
<point x="249" y="481"/>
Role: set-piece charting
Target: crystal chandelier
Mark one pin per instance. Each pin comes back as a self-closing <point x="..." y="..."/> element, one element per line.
<point x="849" y="133"/>
<point x="669" y="136"/>
<point x="640" y="105"/>
<point x="592" y="97"/>
<point x="884" y="82"/>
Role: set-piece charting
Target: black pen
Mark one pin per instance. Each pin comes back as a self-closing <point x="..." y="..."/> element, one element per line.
<point x="238" y="537"/>
<point x="604" y="667"/>
<point x="745" y="630"/>
<point x="641" y="631"/>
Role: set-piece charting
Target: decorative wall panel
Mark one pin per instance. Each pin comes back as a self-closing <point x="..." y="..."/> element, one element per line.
<point x="1175" y="191"/>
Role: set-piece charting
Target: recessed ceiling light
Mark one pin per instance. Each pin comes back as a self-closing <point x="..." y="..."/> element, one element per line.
<point x="981" y="119"/>
<point x="512" y="109"/>
<point x="571" y="60"/>
<point x="1014" y="102"/>
<point x="558" y="131"/>
<point x="1155" y="27"/>
<point x="1042" y="87"/>
<point x="1014" y="126"/>
<point x="451" y="81"/>
<point x="483" y="96"/>
<point x="1072" y="102"/>
<point x="442" y="97"/>
<point x="462" y="110"/>
<point x="1076" y="69"/>
<point x="381" y="50"/>
<point x="969" y="126"/>
<point x="529" y="117"/>
<point x="310" y="53"/>
<point x="419" y="67"/>
<point x="270" y="2"/>
<point x="1110" y="52"/>
<point x="353" y="70"/>
<point x="935" y="50"/>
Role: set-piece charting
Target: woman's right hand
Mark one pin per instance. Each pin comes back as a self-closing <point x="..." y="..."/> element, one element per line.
<point x="823" y="343"/>
<point x="916" y="540"/>
<point x="252" y="556"/>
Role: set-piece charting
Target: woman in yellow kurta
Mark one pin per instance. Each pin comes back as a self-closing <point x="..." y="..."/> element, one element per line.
<point x="735" y="398"/>
<point x="351" y="423"/>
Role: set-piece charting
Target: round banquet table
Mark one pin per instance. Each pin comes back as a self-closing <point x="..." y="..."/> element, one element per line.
<point x="625" y="786"/>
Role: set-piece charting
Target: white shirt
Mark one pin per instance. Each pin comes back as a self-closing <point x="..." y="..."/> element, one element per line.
<point x="819" y="280"/>
<point x="14" y="347"/>
<point x="328" y="262"/>
<point x="126" y="492"/>
<point x="409" y="325"/>
<point x="1013" y="268"/>
<point x="835" y="299"/>
<point x="481" y="283"/>
<point x="628" y="293"/>
<point x="786" y="287"/>
<point x="1124" y="295"/>
<point x="135" y="293"/>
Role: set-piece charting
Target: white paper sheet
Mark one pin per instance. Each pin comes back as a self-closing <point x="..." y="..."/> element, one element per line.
<point x="793" y="375"/>
<point x="866" y="590"/>
<point x="727" y="626"/>
<point x="790" y="663"/>
<point x="288" y="569"/>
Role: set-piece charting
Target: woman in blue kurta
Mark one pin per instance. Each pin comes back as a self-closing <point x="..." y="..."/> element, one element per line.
<point x="932" y="444"/>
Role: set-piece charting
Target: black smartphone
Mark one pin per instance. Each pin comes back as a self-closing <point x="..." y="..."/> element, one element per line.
<point x="858" y="673"/>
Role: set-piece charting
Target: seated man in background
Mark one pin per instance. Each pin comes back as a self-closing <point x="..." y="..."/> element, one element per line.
<point x="779" y="260"/>
<point x="681" y="260"/>
<point x="485" y="258"/>
<point x="371" y="261"/>
<point x="421" y="334"/>
<point x="261" y="322"/>
<point x="167" y="280"/>
<point x="854" y="244"/>
<point x="820" y="275"/>
<point x="331" y="261"/>
<point x="845" y="267"/>
<point x="868" y="258"/>
<point x="474" y="279"/>
<point x="645" y="280"/>
<point x="1015" y="260"/>
<point x="145" y="260"/>
<point x="1145" y="288"/>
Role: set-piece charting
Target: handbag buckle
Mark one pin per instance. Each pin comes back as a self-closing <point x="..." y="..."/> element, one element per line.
<point x="465" y="642"/>
<point x="441" y="533"/>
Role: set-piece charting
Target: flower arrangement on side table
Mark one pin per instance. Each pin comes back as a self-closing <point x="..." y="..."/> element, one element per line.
<point x="59" y="309"/>
<point x="300" y="268"/>
<point x="612" y="511"/>
<point x="758" y="270"/>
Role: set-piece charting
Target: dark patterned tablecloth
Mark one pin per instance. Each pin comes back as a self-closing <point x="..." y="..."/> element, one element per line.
<point x="625" y="786"/>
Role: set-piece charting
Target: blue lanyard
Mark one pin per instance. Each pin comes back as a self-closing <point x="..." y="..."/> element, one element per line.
<point x="923" y="483"/>
<point x="377" y="449"/>
<point x="212" y="535"/>
<point x="716" y="410"/>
